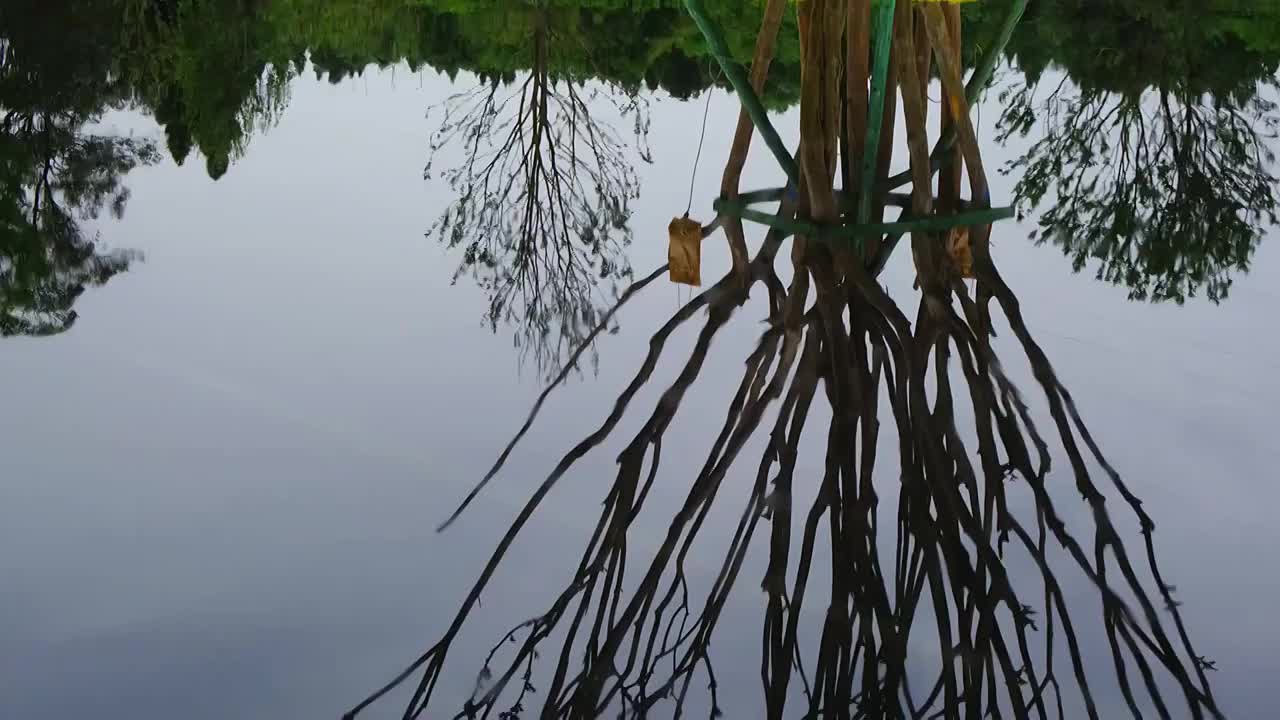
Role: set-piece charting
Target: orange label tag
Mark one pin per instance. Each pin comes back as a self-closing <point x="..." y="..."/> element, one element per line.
<point x="961" y="251"/>
<point x="684" y="251"/>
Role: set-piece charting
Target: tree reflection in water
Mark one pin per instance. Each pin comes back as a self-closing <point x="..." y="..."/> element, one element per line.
<point x="1152" y="162"/>
<point x="56" y="169"/>
<point x="617" y="640"/>
<point x="544" y="193"/>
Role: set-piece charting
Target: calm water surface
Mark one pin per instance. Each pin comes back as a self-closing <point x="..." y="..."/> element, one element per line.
<point x="219" y="486"/>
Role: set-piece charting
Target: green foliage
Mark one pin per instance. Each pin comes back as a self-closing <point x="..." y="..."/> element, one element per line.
<point x="53" y="172"/>
<point x="52" y="175"/>
<point x="1174" y="223"/>
<point x="1152" y="164"/>
<point x="206" y="69"/>
<point x="214" y="71"/>
<point x="1130" y="46"/>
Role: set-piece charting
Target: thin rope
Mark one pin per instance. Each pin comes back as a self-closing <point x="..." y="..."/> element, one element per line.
<point x="706" y="110"/>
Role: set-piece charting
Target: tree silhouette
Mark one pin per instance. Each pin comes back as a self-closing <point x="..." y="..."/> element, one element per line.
<point x="1152" y="159"/>
<point x="54" y="173"/>
<point x="544" y="191"/>
<point x="970" y="596"/>
<point x="46" y="261"/>
<point x="209" y="69"/>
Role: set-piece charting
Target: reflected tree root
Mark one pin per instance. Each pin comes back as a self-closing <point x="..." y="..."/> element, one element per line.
<point x="949" y="629"/>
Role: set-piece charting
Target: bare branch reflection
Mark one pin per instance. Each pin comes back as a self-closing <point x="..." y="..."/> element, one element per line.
<point x="544" y="191"/>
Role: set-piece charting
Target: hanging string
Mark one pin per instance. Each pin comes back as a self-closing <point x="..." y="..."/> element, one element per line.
<point x="706" y="110"/>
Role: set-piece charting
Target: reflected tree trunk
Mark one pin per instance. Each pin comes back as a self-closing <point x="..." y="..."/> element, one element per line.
<point x="967" y="498"/>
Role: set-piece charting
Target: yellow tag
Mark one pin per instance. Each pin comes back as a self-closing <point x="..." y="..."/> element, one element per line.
<point x="960" y="250"/>
<point x="684" y="251"/>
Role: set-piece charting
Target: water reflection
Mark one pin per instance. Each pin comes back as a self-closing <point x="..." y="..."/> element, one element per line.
<point x="544" y="191"/>
<point x="965" y="613"/>
<point x="1149" y="163"/>
<point x="55" y="171"/>
<point x="213" y="73"/>
<point x="1151" y="159"/>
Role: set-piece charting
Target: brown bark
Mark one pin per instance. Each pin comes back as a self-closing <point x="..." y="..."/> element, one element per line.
<point x="949" y="179"/>
<point x="953" y="90"/>
<point x="766" y="46"/>
<point x="857" y="73"/>
<point x="925" y="248"/>
<point x="923" y="59"/>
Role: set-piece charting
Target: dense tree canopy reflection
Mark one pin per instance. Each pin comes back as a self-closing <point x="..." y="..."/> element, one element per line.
<point x="55" y="172"/>
<point x="1150" y="158"/>
<point x="216" y="71"/>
